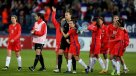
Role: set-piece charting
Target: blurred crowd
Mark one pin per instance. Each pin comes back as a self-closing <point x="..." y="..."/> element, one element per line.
<point x="84" y="10"/>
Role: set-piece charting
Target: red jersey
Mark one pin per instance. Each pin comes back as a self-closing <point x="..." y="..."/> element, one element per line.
<point x="14" y="32"/>
<point x="118" y="41"/>
<point x="74" y="43"/>
<point x="57" y="26"/>
<point x="73" y="36"/>
<point x="112" y="31"/>
<point x="96" y="39"/>
<point x="104" y="36"/>
<point x="104" y="39"/>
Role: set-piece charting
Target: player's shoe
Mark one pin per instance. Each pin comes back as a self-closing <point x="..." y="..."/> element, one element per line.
<point x="118" y="74"/>
<point x="5" y="68"/>
<point x="103" y="72"/>
<point x="74" y="72"/>
<point x="31" y="68"/>
<point x="113" y="72"/>
<point x="87" y="71"/>
<point x="42" y="69"/>
<point x="126" y="71"/>
<point x="56" y="71"/>
<point x="19" y="68"/>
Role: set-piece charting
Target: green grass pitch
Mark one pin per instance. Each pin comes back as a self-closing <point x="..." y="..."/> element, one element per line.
<point x="49" y="59"/>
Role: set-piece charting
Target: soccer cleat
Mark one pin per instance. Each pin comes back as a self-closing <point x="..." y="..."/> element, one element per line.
<point x="103" y="72"/>
<point x="126" y="71"/>
<point x="87" y="70"/>
<point x="31" y="68"/>
<point x="42" y="69"/>
<point x="19" y="68"/>
<point x="56" y="71"/>
<point x="113" y="72"/>
<point x="5" y="68"/>
<point x="74" y="72"/>
<point x="91" y="70"/>
<point x="118" y="74"/>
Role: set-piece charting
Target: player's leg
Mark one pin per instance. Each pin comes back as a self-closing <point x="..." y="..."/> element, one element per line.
<point x="74" y="64"/>
<point x="106" y="61"/>
<point x="60" y="53"/>
<point x="118" y="65"/>
<point x="8" y="58"/>
<point x="56" y="67"/>
<point x="101" y="63"/>
<point x="19" y="60"/>
<point x="38" y="56"/>
<point x="82" y="63"/>
<point x="92" y="62"/>
<point x="69" y="64"/>
<point x="123" y="64"/>
<point x="113" y="61"/>
<point x="56" y="52"/>
<point x="41" y="59"/>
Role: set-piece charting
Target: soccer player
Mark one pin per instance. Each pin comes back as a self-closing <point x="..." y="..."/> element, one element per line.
<point x="104" y="44"/>
<point x="112" y="31"/>
<point x="14" y="43"/>
<point x="96" y="44"/>
<point x="58" y="34"/>
<point x="118" y="47"/>
<point x="125" y="39"/>
<point x="126" y="43"/>
<point x="74" y="49"/>
<point x="39" y="33"/>
<point x="64" y="43"/>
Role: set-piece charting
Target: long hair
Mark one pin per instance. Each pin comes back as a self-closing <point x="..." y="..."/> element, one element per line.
<point x="98" y="22"/>
<point x="120" y="22"/>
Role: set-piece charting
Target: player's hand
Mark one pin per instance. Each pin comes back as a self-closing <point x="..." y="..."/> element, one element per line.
<point x="61" y="29"/>
<point x="53" y="9"/>
<point x="32" y="32"/>
<point x="12" y="40"/>
<point x="68" y="41"/>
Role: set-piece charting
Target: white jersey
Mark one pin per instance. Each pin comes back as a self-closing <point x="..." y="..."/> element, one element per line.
<point x="39" y="39"/>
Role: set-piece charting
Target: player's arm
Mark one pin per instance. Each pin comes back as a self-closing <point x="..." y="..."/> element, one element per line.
<point x="118" y="38"/>
<point x="126" y="38"/>
<point x="42" y="31"/>
<point x="68" y="41"/>
<point x="65" y="35"/>
<point x="53" y="19"/>
<point x="92" y="27"/>
<point x="18" y="33"/>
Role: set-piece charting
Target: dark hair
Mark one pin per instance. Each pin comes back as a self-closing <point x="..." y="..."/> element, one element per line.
<point x="97" y="22"/>
<point x="121" y="23"/>
<point x="69" y="11"/>
<point x="40" y="15"/>
<point x="74" y="22"/>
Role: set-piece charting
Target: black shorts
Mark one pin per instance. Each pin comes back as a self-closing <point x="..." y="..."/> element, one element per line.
<point x="38" y="46"/>
<point x="64" y="44"/>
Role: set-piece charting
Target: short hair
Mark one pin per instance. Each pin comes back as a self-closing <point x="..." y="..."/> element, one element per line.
<point x="69" y="11"/>
<point x="14" y="16"/>
<point x="40" y="15"/>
